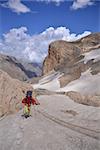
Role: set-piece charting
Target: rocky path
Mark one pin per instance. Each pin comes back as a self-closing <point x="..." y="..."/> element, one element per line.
<point x="52" y="127"/>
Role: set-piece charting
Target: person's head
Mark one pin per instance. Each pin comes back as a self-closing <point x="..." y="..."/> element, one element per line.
<point x="29" y="94"/>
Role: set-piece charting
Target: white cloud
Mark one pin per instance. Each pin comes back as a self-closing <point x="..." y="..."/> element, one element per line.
<point x="76" y="3"/>
<point x="81" y="4"/>
<point x="48" y="1"/>
<point x="16" y="6"/>
<point x="34" y="48"/>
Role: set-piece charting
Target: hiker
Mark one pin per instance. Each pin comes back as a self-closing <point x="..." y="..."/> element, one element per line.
<point x="27" y="101"/>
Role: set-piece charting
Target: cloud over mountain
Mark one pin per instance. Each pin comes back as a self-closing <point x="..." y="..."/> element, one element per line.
<point x="19" y="43"/>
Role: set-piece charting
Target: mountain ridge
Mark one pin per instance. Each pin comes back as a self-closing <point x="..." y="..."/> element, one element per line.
<point x="17" y="68"/>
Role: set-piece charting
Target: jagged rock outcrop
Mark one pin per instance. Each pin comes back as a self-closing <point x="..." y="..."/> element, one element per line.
<point x="11" y="93"/>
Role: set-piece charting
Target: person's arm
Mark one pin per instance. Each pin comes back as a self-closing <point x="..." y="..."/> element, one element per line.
<point x="35" y="101"/>
<point x="24" y="101"/>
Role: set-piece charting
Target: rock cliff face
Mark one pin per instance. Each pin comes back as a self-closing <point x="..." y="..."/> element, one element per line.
<point x="11" y="93"/>
<point x="59" y="52"/>
<point x="68" y="58"/>
<point x="62" y="52"/>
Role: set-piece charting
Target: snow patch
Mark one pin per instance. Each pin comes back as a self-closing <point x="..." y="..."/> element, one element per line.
<point x="51" y="76"/>
<point x="50" y="82"/>
<point x="86" y="84"/>
<point x="94" y="54"/>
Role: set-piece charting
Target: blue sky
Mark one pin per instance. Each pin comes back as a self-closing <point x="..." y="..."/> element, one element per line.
<point x="28" y="22"/>
<point x="45" y="15"/>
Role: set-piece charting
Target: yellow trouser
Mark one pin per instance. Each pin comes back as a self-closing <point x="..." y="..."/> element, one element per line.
<point x="27" y="110"/>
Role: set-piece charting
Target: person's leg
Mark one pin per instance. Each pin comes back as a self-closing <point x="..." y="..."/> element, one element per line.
<point x="29" y="110"/>
<point x="26" y="110"/>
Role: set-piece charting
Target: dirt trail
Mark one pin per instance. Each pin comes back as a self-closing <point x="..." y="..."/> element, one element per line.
<point x="86" y="131"/>
<point x="46" y="130"/>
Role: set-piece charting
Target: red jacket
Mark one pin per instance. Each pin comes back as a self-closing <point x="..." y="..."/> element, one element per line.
<point x="29" y="101"/>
